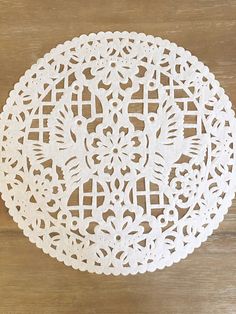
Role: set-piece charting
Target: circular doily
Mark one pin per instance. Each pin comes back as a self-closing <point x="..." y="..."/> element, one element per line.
<point x="117" y="153"/>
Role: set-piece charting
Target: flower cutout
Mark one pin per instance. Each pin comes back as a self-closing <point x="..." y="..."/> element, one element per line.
<point x="117" y="150"/>
<point x="188" y="183"/>
<point x="114" y="70"/>
<point x="45" y="188"/>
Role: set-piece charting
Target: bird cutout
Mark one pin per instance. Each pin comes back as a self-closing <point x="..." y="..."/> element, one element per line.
<point x="167" y="142"/>
<point x="65" y="145"/>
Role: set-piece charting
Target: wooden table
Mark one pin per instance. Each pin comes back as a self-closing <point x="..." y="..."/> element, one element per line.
<point x="33" y="282"/>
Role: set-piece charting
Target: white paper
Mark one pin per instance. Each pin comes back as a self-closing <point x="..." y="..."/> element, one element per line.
<point x="117" y="153"/>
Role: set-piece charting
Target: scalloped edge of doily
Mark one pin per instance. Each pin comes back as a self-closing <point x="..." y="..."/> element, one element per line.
<point x="190" y="247"/>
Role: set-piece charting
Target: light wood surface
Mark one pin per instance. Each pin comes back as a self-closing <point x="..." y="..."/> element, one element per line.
<point x="33" y="282"/>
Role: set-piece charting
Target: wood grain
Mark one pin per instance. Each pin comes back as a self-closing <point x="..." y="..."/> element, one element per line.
<point x="31" y="281"/>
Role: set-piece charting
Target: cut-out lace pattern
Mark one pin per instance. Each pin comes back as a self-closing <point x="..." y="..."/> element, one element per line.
<point x="117" y="153"/>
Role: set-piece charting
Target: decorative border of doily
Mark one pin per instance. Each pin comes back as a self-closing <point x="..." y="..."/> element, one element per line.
<point x="202" y="237"/>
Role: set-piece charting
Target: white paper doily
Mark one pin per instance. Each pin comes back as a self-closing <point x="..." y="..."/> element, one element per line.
<point x="117" y="153"/>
